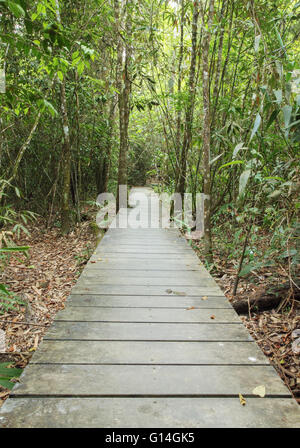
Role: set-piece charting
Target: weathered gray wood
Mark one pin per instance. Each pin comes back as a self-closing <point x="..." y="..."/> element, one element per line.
<point x="94" y="314"/>
<point x="140" y="352"/>
<point x="144" y="380"/>
<point x="144" y="281"/>
<point x="128" y="241"/>
<point x="136" y="327"/>
<point x="128" y="244"/>
<point x="98" y="263"/>
<point x="144" y="250"/>
<point x="99" y="275"/>
<point x="186" y="256"/>
<point x="133" y="331"/>
<point x="148" y="301"/>
<point x="149" y="413"/>
<point x="167" y="290"/>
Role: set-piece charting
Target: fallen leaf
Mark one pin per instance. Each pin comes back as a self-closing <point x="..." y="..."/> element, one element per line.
<point x="212" y="317"/>
<point x="191" y="308"/>
<point x="204" y="298"/>
<point x="242" y="400"/>
<point x="260" y="391"/>
<point x="296" y="346"/>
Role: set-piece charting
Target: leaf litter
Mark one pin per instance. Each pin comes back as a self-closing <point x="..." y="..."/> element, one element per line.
<point x="43" y="282"/>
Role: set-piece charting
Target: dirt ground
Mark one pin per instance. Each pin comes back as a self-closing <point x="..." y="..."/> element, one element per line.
<point x="275" y="330"/>
<point x="43" y="282"/>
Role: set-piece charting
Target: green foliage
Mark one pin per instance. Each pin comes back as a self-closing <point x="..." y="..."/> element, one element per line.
<point x="254" y="106"/>
<point x="8" y="374"/>
<point x="8" y="300"/>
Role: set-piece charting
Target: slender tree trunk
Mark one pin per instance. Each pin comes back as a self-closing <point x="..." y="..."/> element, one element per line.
<point x="103" y="175"/>
<point x="66" y="163"/>
<point x="206" y="130"/>
<point x="219" y="63"/>
<point x="179" y="81"/>
<point x="77" y="162"/>
<point x="66" y="152"/>
<point x="124" y="87"/>
<point x="190" y="106"/>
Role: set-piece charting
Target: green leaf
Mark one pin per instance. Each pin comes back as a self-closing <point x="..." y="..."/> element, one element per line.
<point x="256" y="43"/>
<point x="256" y="126"/>
<point x="278" y="94"/>
<point x="288" y="253"/>
<point x="287" y="112"/>
<point x="237" y="148"/>
<point x="60" y="75"/>
<point x="51" y="109"/>
<point x="3" y="289"/>
<point x="234" y="162"/>
<point x="9" y="372"/>
<point x="215" y="159"/>
<point x="4" y="382"/>
<point x="279" y="38"/>
<point x="274" y="178"/>
<point x="16" y="9"/>
<point x="279" y="68"/>
<point x="247" y="269"/>
<point x="293" y="124"/>
<point x="80" y="68"/>
<point x="14" y="249"/>
<point x="272" y="118"/>
<point x="243" y="181"/>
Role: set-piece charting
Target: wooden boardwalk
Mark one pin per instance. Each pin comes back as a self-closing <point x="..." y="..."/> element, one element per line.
<point x="147" y="339"/>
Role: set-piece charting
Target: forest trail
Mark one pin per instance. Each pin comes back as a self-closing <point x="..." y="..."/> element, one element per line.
<point x="147" y="339"/>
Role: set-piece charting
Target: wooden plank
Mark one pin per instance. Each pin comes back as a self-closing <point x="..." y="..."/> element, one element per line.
<point x="149" y="413"/>
<point x="147" y="242"/>
<point x="126" y="240"/>
<point x="185" y="257"/>
<point x="116" y="331"/>
<point x="143" y="250"/>
<point x="95" y="314"/>
<point x="162" y="381"/>
<point x="133" y="265"/>
<point x="148" y="301"/>
<point x="181" y="280"/>
<point x="167" y="290"/>
<point x="99" y="275"/>
<point x="140" y="352"/>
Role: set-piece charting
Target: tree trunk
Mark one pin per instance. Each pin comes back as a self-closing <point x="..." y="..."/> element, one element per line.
<point x="190" y="106"/>
<point x="66" y="152"/>
<point x="178" y="119"/>
<point x="66" y="163"/>
<point x="206" y="130"/>
<point x="123" y="87"/>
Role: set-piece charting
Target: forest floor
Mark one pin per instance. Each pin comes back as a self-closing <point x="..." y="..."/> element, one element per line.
<point x="275" y="330"/>
<point x="44" y="281"/>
